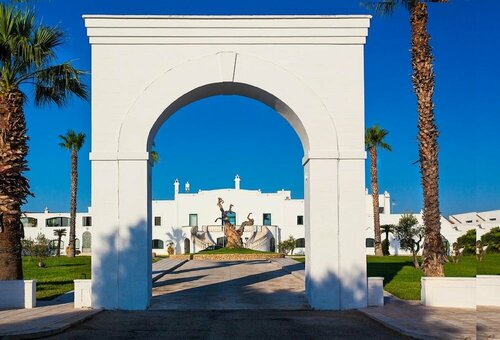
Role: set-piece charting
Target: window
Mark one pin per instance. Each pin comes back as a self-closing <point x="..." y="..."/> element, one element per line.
<point x="493" y="219"/>
<point x="87" y="221"/>
<point x="53" y="244"/>
<point x="157" y="220"/>
<point x="266" y="219"/>
<point x="232" y="217"/>
<point x="157" y="244"/>
<point x="29" y="222"/>
<point x="370" y="243"/>
<point x="300" y="243"/>
<point x="193" y="220"/>
<point x="86" y="242"/>
<point x="57" y="222"/>
<point x="300" y="220"/>
<point x="380" y="210"/>
<point x="468" y="221"/>
<point x="77" y="243"/>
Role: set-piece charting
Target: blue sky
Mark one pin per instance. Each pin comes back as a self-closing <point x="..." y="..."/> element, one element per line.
<point x="257" y="143"/>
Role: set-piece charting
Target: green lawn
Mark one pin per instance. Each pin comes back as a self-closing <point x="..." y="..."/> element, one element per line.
<point x="402" y="280"/>
<point x="57" y="277"/>
<point x="234" y="251"/>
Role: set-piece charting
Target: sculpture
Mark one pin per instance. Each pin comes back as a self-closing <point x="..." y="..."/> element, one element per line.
<point x="233" y="235"/>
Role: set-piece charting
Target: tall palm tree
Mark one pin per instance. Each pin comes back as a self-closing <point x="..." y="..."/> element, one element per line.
<point x="27" y="59"/>
<point x="433" y="256"/>
<point x="73" y="142"/>
<point x="59" y="233"/>
<point x="374" y="138"/>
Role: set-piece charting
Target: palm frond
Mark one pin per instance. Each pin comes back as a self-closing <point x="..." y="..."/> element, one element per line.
<point x="54" y="84"/>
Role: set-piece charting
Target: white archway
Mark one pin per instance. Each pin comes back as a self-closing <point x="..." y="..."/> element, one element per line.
<point x="146" y="68"/>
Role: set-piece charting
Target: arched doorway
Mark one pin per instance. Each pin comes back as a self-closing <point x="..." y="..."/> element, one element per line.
<point x="187" y="246"/>
<point x="86" y="242"/>
<point x="313" y="79"/>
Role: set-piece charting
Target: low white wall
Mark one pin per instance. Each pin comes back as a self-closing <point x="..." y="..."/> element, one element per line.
<point x="18" y="294"/>
<point x="488" y="290"/>
<point x="458" y="292"/>
<point x="83" y="294"/>
<point x="375" y="291"/>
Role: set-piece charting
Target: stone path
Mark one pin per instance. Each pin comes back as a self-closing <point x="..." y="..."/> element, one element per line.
<point x="239" y="324"/>
<point x="41" y="321"/>
<point x="165" y="266"/>
<point x="417" y="321"/>
<point x="206" y="285"/>
<point x="488" y="322"/>
<point x="291" y="266"/>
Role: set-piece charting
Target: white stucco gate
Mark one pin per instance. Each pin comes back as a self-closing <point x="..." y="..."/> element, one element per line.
<point x="308" y="68"/>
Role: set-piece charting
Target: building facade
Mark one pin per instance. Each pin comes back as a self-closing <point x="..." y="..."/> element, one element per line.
<point x="190" y="221"/>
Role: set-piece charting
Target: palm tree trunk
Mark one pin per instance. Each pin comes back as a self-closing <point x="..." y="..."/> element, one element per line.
<point x="423" y="83"/>
<point x="14" y="187"/>
<point x="72" y="221"/>
<point x="376" y="214"/>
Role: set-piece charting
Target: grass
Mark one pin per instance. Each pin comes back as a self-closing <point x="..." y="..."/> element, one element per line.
<point x="301" y="259"/>
<point x="58" y="275"/>
<point x="234" y="251"/>
<point x="403" y="280"/>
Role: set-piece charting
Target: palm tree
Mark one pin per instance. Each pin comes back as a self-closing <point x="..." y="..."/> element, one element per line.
<point x="27" y="56"/>
<point x="387" y="229"/>
<point x="73" y="142"/>
<point x="433" y="256"/>
<point x="59" y="233"/>
<point x="374" y="138"/>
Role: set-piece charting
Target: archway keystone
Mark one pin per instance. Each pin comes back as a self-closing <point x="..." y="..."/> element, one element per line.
<point x="308" y="68"/>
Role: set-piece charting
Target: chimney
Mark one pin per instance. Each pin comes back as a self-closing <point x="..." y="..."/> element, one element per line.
<point x="187" y="187"/>
<point x="176" y="187"/>
<point x="237" y="182"/>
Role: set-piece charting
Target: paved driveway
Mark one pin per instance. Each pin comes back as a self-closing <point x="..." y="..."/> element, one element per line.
<point x="205" y="285"/>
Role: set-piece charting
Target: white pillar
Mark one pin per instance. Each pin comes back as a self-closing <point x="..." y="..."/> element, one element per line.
<point x="121" y="253"/>
<point x="176" y="187"/>
<point x="237" y="182"/>
<point x="336" y="264"/>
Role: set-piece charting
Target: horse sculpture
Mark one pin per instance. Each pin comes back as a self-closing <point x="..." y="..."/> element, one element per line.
<point x="233" y="235"/>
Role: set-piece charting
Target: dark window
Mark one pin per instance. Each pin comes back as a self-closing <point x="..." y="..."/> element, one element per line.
<point x="57" y="222"/>
<point x="29" y="222"/>
<point x="380" y="210"/>
<point x="157" y="244"/>
<point x="468" y="221"/>
<point x="370" y="243"/>
<point x="53" y="244"/>
<point x="266" y="219"/>
<point x="493" y="219"/>
<point x="300" y="243"/>
<point x="300" y="220"/>
<point x="87" y="221"/>
<point x="157" y="220"/>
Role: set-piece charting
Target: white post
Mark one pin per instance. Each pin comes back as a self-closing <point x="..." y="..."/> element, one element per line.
<point x="121" y="256"/>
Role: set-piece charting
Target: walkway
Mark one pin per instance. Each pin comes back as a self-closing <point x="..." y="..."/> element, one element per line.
<point x="240" y="324"/>
<point x="417" y="321"/>
<point x="41" y="321"/>
<point x="165" y="266"/>
<point x="206" y="285"/>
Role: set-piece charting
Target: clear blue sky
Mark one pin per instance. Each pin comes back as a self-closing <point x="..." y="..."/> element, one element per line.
<point x="259" y="145"/>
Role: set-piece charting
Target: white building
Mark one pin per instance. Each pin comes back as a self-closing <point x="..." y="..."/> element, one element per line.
<point x="189" y="221"/>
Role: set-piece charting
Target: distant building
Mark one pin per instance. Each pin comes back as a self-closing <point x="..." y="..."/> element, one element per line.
<point x="189" y="221"/>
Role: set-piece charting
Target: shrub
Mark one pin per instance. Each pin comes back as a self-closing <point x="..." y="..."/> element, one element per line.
<point x="468" y="242"/>
<point x="492" y="240"/>
<point x="287" y="246"/>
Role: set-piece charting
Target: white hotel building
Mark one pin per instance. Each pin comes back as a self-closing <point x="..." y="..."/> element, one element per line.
<point x="188" y="221"/>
